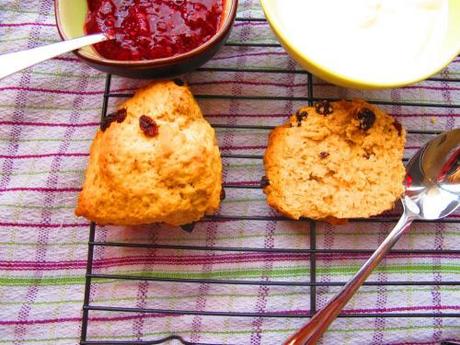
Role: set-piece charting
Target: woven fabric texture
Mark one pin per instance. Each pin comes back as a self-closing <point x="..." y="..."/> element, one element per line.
<point x="48" y="116"/>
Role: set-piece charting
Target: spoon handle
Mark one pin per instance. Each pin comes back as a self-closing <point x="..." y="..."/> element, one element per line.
<point x="311" y="332"/>
<point x="14" y="62"/>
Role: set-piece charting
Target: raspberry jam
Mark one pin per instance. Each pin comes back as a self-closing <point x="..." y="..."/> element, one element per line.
<point x="152" y="29"/>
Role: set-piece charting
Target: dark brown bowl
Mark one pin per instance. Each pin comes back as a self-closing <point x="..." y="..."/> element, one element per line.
<point x="70" y="19"/>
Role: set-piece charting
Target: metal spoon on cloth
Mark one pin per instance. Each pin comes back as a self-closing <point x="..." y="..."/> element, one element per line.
<point x="432" y="192"/>
<point x="15" y="62"/>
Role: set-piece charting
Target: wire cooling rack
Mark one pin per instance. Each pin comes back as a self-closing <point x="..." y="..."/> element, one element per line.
<point x="312" y="284"/>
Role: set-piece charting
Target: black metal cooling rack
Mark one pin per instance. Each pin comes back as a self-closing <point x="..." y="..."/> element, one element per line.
<point x="312" y="284"/>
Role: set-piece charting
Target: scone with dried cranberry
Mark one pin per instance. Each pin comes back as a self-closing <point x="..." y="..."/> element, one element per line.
<point x="155" y="160"/>
<point x="335" y="160"/>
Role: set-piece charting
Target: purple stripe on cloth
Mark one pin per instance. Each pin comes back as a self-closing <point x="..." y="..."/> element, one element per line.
<point x="264" y="291"/>
<point x="46" y="155"/>
<point x="302" y="84"/>
<point x="446" y="94"/>
<point x="67" y="59"/>
<point x="18" y="113"/>
<point x="142" y="292"/>
<point x="41" y="189"/>
<point x="236" y="56"/>
<point x="400" y="309"/>
<point x="415" y="343"/>
<point x="203" y="259"/>
<point x="437" y="276"/>
<point x="444" y="87"/>
<point x="249" y="23"/>
<point x="323" y="291"/>
<point x="43" y="225"/>
<point x="439" y="236"/>
<point x="200" y="260"/>
<point x="253" y="147"/>
<point x="419" y="86"/>
<point x="99" y="253"/>
<point x="382" y="278"/>
<point x="77" y="92"/>
<point x="248" y="82"/>
<point x="243" y="183"/>
<point x="203" y="290"/>
<point x="47" y="124"/>
<point x="32" y="291"/>
<point x="38" y="322"/>
<point x="138" y="323"/>
<point x="78" y="319"/>
<point x="26" y="24"/>
<point x="51" y="91"/>
<point x="245" y="115"/>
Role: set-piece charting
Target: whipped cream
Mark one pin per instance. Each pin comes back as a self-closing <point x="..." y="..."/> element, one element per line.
<point x="366" y="39"/>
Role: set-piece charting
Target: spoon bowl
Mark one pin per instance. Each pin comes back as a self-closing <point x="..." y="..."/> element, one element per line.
<point x="433" y="177"/>
<point x="432" y="192"/>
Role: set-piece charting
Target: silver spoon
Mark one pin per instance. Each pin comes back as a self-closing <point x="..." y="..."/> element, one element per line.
<point x="15" y="62"/>
<point x="432" y="192"/>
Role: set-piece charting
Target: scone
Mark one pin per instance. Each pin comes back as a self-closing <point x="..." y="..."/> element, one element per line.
<point x="335" y="160"/>
<point x="155" y="160"/>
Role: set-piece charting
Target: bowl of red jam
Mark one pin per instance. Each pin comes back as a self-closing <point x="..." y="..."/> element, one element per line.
<point x="150" y="38"/>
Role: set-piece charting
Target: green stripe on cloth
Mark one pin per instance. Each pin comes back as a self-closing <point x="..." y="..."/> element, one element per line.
<point x="286" y="272"/>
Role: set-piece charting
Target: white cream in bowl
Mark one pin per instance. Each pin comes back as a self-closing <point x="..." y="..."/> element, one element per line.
<point x="366" y="39"/>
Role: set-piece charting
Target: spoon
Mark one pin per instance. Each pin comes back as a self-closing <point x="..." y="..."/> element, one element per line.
<point x="432" y="192"/>
<point x="15" y="62"/>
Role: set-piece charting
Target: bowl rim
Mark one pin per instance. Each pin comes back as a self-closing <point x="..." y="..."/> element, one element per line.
<point x="220" y="34"/>
<point x="340" y="78"/>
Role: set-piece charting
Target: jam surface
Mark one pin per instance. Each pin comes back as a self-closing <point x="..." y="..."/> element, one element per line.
<point x="152" y="29"/>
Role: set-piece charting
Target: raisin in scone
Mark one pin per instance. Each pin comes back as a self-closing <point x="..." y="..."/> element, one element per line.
<point x="155" y="160"/>
<point x="335" y="160"/>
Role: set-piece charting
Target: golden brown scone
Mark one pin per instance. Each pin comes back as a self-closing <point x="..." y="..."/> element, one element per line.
<point x="335" y="160"/>
<point x="168" y="171"/>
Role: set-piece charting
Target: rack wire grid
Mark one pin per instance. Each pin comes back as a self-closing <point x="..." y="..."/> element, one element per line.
<point x="311" y="285"/>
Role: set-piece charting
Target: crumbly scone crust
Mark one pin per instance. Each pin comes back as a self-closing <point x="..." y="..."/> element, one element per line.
<point x="341" y="165"/>
<point x="174" y="177"/>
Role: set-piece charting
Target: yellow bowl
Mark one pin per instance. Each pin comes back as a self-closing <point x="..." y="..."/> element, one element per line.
<point x="450" y="49"/>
